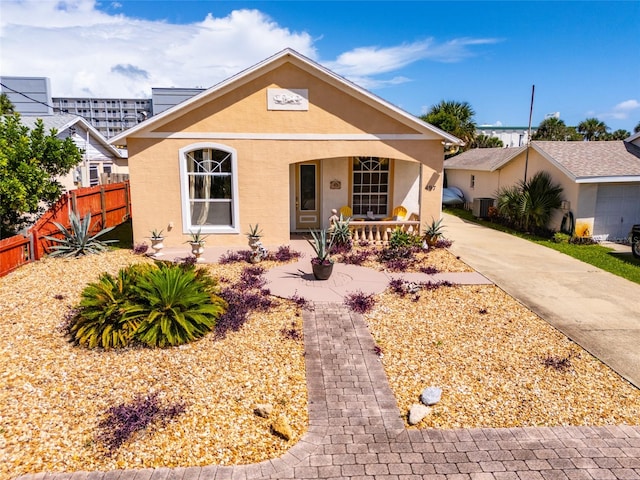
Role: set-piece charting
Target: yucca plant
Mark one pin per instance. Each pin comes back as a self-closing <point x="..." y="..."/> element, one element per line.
<point x="102" y="319"/>
<point x="78" y="240"/>
<point x="341" y="233"/>
<point x="176" y="306"/>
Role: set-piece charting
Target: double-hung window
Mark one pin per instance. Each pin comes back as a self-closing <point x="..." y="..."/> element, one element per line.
<point x="209" y="188"/>
<point x="370" y="185"/>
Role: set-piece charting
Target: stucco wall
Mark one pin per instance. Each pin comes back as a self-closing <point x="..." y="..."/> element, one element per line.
<point x="264" y="164"/>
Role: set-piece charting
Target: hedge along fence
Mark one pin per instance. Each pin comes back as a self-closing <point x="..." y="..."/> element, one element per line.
<point x="110" y="205"/>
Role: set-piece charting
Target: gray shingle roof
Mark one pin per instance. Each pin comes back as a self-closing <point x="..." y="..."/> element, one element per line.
<point x="59" y="122"/>
<point x="593" y="159"/>
<point x="581" y="160"/>
<point x="484" y="159"/>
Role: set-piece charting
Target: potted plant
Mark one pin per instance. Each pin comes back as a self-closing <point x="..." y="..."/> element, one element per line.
<point x="432" y="232"/>
<point x="197" y="244"/>
<point x="254" y="235"/>
<point x="156" y="238"/>
<point x="322" y="264"/>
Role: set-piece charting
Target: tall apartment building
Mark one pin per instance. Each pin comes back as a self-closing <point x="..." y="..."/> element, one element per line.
<point x="110" y="116"/>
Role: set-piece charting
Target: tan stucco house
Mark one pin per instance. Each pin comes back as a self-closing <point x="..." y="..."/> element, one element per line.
<point x="600" y="180"/>
<point x="280" y="144"/>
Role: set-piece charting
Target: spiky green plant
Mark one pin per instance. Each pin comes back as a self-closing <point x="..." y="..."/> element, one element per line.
<point x="341" y="233"/>
<point x="77" y="240"/>
<point x="176" y="306"/>
<point x="102" y="319"/>
<point x="321" y="246"/>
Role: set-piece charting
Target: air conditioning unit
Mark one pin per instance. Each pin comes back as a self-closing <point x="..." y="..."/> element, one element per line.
<point x="481" y="207"/>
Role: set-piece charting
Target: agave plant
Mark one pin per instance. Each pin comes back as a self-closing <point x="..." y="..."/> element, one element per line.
<point x="321" y="246"/>
<point x="77" y="240"/>
<point x="176" y="306"/>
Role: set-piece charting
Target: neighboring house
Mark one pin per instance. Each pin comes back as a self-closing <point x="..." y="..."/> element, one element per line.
<point x="600" y="180"/>
<point x="280" y="144"/>
<point x="99" y="158"/>
<point x="510" y="136"/>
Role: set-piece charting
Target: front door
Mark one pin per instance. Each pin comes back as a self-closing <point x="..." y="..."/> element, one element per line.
<point x="308" y="195"/>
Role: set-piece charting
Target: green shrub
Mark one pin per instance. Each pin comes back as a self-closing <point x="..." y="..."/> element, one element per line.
<point x="561" y="237"/>
<point x="175" y="305"/>
<point x="402" y="239"/>
<point x="158" y="305"/>
<point x="102" y="319"/>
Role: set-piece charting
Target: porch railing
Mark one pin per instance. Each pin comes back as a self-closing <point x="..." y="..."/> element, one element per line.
<point x="378" y="232"/>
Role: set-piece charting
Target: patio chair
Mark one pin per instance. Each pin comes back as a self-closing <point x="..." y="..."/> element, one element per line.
<point x="399" y="213"/>
<point x="346" y="211"/>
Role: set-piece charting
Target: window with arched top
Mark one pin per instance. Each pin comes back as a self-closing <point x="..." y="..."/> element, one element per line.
<point x="209" y="188"/>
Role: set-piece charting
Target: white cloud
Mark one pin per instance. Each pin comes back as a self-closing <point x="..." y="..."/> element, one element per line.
<point x="622" y="110"/>
<point x="87" y="52"/>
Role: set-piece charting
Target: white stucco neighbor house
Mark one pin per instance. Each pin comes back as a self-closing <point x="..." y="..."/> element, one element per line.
<point x="600" y="180"/>
<point x="99" y="156"/>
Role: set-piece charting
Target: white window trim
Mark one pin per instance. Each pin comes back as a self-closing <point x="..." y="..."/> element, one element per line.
<point x="187" y="228"/>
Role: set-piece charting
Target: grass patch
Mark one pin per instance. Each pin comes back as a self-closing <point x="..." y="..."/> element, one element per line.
<point x="123" y="233"/>
<point x="622" y="264"/>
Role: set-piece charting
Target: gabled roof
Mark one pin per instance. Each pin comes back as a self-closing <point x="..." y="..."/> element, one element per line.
<point x="64" y="122"/>
<point x="483" y="159"/>
<point x="285" y="56"/>
<point x="588" y="162"/>
<point x="582" y="162"/>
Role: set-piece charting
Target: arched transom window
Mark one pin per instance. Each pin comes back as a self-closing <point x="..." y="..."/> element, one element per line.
<point x="209" y="188"/>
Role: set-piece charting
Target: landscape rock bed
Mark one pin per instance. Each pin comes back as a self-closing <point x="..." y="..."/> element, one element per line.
<point x="54" y="394"/>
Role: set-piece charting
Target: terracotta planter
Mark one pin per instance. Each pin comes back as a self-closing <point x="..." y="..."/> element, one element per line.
<point x="322" y="271"/>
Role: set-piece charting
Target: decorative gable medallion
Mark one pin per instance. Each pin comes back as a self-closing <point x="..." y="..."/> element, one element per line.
<point x="288" y="99"/>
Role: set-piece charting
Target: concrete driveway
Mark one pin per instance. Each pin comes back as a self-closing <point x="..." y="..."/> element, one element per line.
<point x="596" y="309"/>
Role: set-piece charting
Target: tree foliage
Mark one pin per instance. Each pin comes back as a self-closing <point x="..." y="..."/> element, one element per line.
<point x="484" y="141"/>
<point x="636" y="129"/>
<point x="593" y="129"/>
<point x="6" y="107"/>
<point x="530" y="204"/>
<point x="29" y="163"/>
<point x="455" y="118"/>
<point x="555" y="129"/>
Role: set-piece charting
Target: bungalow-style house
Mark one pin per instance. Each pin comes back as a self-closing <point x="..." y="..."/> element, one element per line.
<point x="600" y="180"/>
<point x="280" y="144"/>
<point x="99" y="160"/>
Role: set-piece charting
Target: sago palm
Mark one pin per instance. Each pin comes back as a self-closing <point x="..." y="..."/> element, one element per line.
<point x="175" y="307"/>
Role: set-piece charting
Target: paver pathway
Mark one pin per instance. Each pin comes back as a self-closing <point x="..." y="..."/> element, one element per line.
<point x="356" y="431"/>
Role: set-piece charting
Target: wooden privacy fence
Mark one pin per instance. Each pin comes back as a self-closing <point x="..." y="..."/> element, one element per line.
<point x="109" y="205"/>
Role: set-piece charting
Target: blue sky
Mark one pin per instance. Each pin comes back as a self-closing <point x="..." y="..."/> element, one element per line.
<point x="581" y="56"/>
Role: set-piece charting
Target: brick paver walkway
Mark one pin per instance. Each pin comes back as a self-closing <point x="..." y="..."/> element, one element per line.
<point x="356" y="431"/>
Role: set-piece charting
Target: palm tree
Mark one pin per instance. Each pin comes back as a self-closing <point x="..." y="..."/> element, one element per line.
<point x="551" y="128"/>
<point x="636" y="129"/>
<point x="592" y="129"/>
<point x="619" y="134"/>
<point x="455" y="118"/>
<point x="484" y="141"/>
<point x="531" y="203"/>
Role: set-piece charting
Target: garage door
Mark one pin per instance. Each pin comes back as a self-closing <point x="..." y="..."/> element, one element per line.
<point x="617" y="209"/>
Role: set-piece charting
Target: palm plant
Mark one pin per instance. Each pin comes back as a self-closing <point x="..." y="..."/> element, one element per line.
<point x="341" y="232"/>
<point x="455" y="118"/>
<point x="102" y="319"/>
<point x="77" y="240"/>
<point x="175" y="307"/>
<point x="592" y="129"/>
<point x="530" y="203"/>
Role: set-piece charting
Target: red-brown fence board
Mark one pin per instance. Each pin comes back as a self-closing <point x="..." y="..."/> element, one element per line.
<point x="109" y="206"/>
<point x="14" y="252"/>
